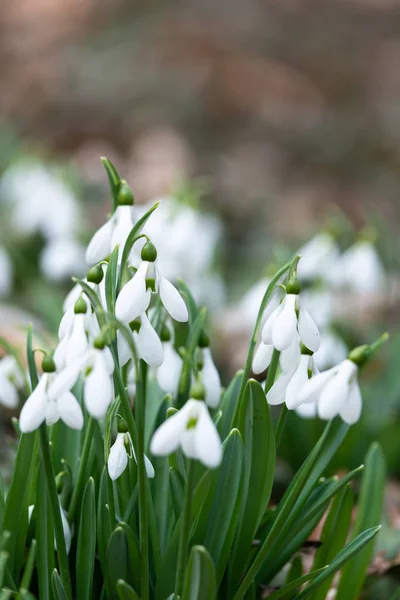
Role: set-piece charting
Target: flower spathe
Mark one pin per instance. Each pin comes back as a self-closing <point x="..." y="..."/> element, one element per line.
<point x="289" y="320"/>
<point x="42" y="405"/>
<point x="193" y="430"/>
<point x="118" y="457"/>
<point x="336" y="392"/>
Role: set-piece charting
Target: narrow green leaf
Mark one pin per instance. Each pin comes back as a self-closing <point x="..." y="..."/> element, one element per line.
<point x="30" y="563"/>
<point x="3" y="563"/>
<point x="368" y="515"/>
<point x="295" y="584"/>
<point x="31" y="359"/>
<point x="85" y="554"/>
<point x="341" y="559"/>
<point x="117" y="562"/>
<point x="177" y="487"/>
<point x="125" y="591"/>
<point x="103" y="521"/>
<point x="228" y="404"/>
<point x="257" y="429"/>
<point x="133" y="556"/>
<point x="333" y="536"/>
<point x="58" y="587"/>
<point x="45" y="537"/>
<point x="114" y="181"/>
<point x="200" y="579"/>
<point x="111" y="280"/>
<point x="190" y="301"/>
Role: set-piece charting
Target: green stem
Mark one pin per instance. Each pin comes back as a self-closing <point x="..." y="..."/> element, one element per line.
<point x="55" y="511"/>
<point x="254" y="337"/>
<point x="273" y="367"/>
<point x="280" y="426"/>
<point x="185" y="532"/>
<point x="80" y="477"/>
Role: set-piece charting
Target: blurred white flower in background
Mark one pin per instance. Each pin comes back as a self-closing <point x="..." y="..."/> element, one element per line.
<point x="6" y="273"/>
<point x="61" y="258"/>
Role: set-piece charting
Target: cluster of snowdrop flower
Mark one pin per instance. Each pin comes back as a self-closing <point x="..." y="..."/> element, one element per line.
<point x="40" y="202"/>
<point x="82" y="352"/>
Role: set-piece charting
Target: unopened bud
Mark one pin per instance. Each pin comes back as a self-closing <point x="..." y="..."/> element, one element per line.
<point x="48" y="364"/>
<point x="293" y="286"/>
<point x="197" y="391"/>
<point x="80" y="306"/>
<point x="149" y="252"/>
<point x="122" y="425"/>
<point x="99" y="342"/>
<point x="95" y="274"/>
<point x="125" y="194"/>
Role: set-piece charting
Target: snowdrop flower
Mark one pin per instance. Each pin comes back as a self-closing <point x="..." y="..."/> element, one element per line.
<point x="115" y="231"/>
<point x="98" y="386"/>
<point x="336" y="392"/>
<point x="44" y="405"/>
<point x="307" y="410"/>
<point x="62" y="258"/>
<point x="361" y="269"/>
<point x="193" y="430"/>
<point x="73" y="333"/>
<point x="289" y="320"/>
<point x="332" y="350"/>
<point x="262" y="358"/>
<point x="286" y="388"/>
<point x="135" y="296"/>
<point x="11" y="380"/>
<point x="168" y="374"/>
<point x="6" y="273"/>
<point x="210" y="376"/>
<point x="65" y="525"/>
<point x="149" y="346"/>
<point x="120" y="451"/>
<point x="318" y="257"/>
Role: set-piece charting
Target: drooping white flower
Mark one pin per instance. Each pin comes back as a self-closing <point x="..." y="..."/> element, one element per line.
<point x="211" y="379"/>
<point x="287" y="386"/>
<point x="289" y="358"/>
<point x="287" y="322"/>
<point x="336" y="392"/>
<point x="61" y="258"/>
<point x="169" y="372"/>
<point x="43" y="405"/>
<point x="361" y="269"/>
<point x="307" y="410"/>
<point x="6" y="273"/>
<point x="332" y="350"/>
<point x="65" y="525"/>
<point x="318" y="257"/>
<point x="11" y="380"/>
<point x="114" y="231"/>
<point x="134" y="298"/>
<point x="192" y="429"/>
<point x="98" y="386"/>
<point x="149" y="345"/>
<point x="262" y="358"/>
<point x="118" y="457"/>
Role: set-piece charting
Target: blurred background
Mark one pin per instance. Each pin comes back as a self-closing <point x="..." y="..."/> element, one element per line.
<point x="261" y="124"/>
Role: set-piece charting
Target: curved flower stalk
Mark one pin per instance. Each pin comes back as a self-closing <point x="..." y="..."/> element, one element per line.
<point x="192" y="430"/>
<point x="335" y="392"/>
<point x="121" y="450"/>
<point x="135" y="296"/>
<point x="45" y="405"/>
<point x="11" y="381"/>
<point x="115" y="231"/>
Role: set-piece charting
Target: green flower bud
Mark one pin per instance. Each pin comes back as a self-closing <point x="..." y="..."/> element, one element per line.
<point x="80" y="306"/>
<point x="48" y="364"/>
<point x="95" y="274"/>
<point x="99" y="342"/>
<point x="360" y="355"/>
<point x="293" y="286"/>
<point x="149" y="252"/>
<point x="122" y="425"/>
<point x="197" y="391"/>
<point x="204" y="340"/>
<point x="125" y="194"/>
<point x="165" y="335"/>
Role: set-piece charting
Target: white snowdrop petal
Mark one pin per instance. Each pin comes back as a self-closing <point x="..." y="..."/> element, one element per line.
<point x="208" y="448"/>
<point x="124" y="351"/>
<point x="336" y="391"/>
<point x="276" y="394"/>
<point x="308" y="330"/>
<point x="70" y="411"/>
<point x="8" y="393"/>
<point x="168" y="373"/>
<point x="98" y="391"/>
<point x="307" y="410"/>
<point x="59" y="354"/>
<point x="51" y="413"/>
<point x="284" y="329"/>
<point x="211" y="379"/>
<point x="64" y="381"/>
<point x="77" y="345"/>
<point x="72" y="297"/>
<point x="351" y="409"/>
<point x="149" y="344"/>
<point x="296" y="382"/>
<point x="107" y="358"/>
<point x="34" y="410"/>
<point x="167" y="437"/>
<point x="149" y="467"/>
<point x="118" y="458"/>
<point x="66" y="529"/>
<point x="66" y="322"/>
<point x="262" y="358"/>
<point x="312" y="389"/>
<point x="100" y="245"/>
<point x="266" y="334"/>
<point x="289" y="358"/>
<point x="188" y="443"/>
<point x="173" y="301"/>
<point x="133" y="299"/>
<point x="123" y="225"/>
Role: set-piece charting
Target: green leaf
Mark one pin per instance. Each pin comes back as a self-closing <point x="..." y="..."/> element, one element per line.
<point x="130" y="240"/>
<point x="103" y="520"/>
<point x="85" y="554"/>
<point x="342" y="558"/>
<point x="200" y="580"/>
<point x="257" y="430"/>
<point x="191" y="345"/>
<point x="333" y="536"/>
<point x="295" y="584"/>
<point x="31" y="359"/>
<point x="125" y="591"/>
<point x="369" y="514"/>
<point x="133" y="556"/>
<point x="30" y="563"/>
<point x="228" y="404"/>
<point x="117" y="561"/>
<point x="177" y="488"/>
<point x="58" y="587"/>
<point x="111" y="280"/>
<point x="114" y="181"/>
<point x="44" y="536"/>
